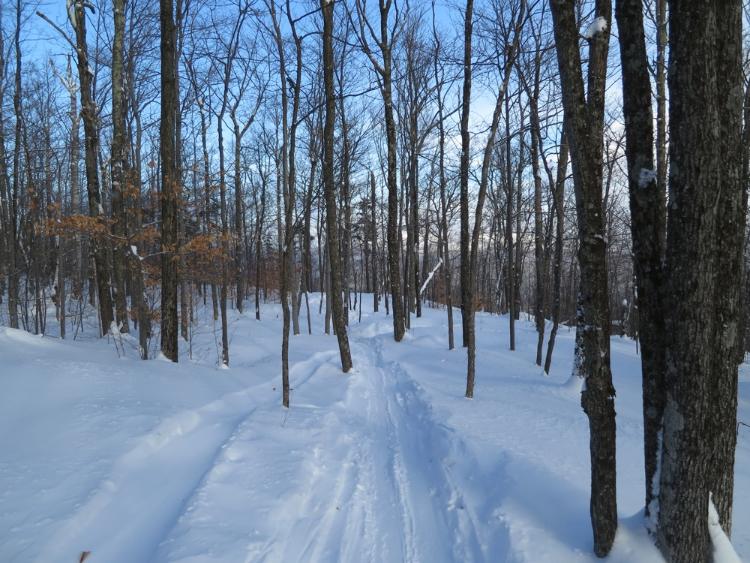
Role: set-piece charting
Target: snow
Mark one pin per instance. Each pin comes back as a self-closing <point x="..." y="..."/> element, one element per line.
<point x="156" y="461"/>
<point x="653" y="507"/>
<point x="723" y="552"/>
<point x="429" y="277"/>
<point x="599" y="25"/>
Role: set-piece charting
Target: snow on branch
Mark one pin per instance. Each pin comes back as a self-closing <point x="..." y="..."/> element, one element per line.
<point x="597" y="26"/>
<point x="432" y="273"/>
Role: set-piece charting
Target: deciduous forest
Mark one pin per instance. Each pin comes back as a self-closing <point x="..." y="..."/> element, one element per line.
<point x="374" y="280"/>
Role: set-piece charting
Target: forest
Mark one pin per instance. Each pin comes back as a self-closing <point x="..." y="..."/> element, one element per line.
<point x="540" y="190"/>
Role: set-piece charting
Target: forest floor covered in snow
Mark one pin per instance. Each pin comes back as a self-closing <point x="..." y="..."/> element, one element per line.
<point x="153" y="461"/>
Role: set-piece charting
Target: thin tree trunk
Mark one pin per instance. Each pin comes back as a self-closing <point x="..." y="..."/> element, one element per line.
<point x="648" y="229"/>
<point x="374" y="242"/>
<point x="466" y="307"/>
<point x="13" y="199"/>
<point x="536" y="141"/>
<point x="119" y="154"/>
<point x="329" y="188"/>
<point x="89" y="113"/>
<point x="519" y="17"/>
<point x="510" y="267"/>
<point x="559" y="189"/>
<point x="170" y="188"/>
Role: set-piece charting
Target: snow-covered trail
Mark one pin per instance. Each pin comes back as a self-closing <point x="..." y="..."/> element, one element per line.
<point x="380" y="480"/>
<point x="187" y="463"/>
<point x="141" y="489"/>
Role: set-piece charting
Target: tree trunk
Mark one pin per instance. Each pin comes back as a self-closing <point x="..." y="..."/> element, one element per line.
<point x="536" y="141"/>
<point x="119" y="154"/>
<point x="559" y="192"/>
<point x="661" y="95"/>
<point x="91" y="133"/>
<point x="374" y="242"/>
<point x="170" y="188"/>
<point x="394" y="234"/>
<point x="466" y="307"/>
<point x="518" y="19"/>
<point x="329" y="188"/>
<point x="729" y="254"/>
<point x="704" y="246"/>
<point x="648" y="228"/>
<point x="510" y="267"/>
<point x="13" y="199"/>
<point x="584" y="122"/>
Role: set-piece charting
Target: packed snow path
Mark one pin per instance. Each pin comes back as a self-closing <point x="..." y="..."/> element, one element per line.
<point x="151" y="461"/>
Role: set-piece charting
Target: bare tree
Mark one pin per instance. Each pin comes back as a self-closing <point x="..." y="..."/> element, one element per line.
<point x="648" y="227"/>
<point x="170" y="184"/>
<point x="385" y="40"/>
<point x="339" y="324"/>
<point x="703" y="268"/>
<point x="91" y="134"/>
<point x="119" y="226"/>
<point x="584" y="120"/>
<point x="512" y="32"/>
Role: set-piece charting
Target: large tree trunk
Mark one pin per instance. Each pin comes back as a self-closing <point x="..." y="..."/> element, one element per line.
<point x="224" y="232"/>
<point x="119" y="155"/>
<point x="91" y="133"/>
<point x="730" y="237"/>
<point x="384" y="70"/>
<point x="170" y="188"/>
<point x="394" y="233"/>
<point x="466" y="307"/>
<point x="584" y="123"/>
<point x="648" y="227"/>
<point x="334" y="258"/>
<point x="12" y="222"/>
<point x="704" y="245"/>
<point x="661" y="95"/>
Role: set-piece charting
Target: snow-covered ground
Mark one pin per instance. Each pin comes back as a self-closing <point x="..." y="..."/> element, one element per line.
<point x="151" y="461"/>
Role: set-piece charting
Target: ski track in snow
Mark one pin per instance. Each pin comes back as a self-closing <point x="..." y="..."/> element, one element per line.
<point x="379" y="452"/>
<point x="176" y="456"/>
<point x="360" y="492"/>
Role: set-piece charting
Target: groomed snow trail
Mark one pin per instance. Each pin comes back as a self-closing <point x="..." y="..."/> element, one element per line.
<point x="376" y="481"/>
<point x="146" y="491"/>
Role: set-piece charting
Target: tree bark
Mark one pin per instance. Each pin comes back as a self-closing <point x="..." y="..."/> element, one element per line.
<point x="559" y="194"/>
<point x="704" y="245"/>
<point x="536" y="142"/>
<point x="464" y="176"/>
<point x="170" y="188"/>
<point x="584" y="122"/>
<point x="334" y="258"/>
<point x="119" y="225"/>
<point x="91" y="134"/>
<point x="518" y="18"/>
<point x="647" y="225"/>
<point x="729" y="254"/>
<point x="374" y="243"/>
